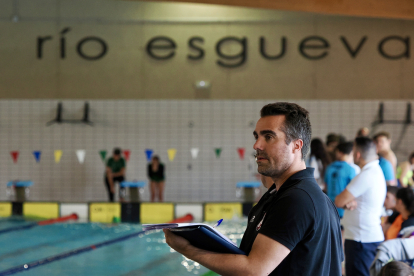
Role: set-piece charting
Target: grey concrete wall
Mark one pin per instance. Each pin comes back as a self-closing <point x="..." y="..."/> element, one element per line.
<point x="128" y="72"/>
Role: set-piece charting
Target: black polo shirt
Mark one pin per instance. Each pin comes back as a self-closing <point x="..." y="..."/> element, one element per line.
<point x="302" y="218"/>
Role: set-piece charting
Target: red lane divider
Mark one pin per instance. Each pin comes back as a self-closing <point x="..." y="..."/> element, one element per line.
<point x="61" y="219"/>
<point x="184" y="219"/>
<point x="43" y="222"/>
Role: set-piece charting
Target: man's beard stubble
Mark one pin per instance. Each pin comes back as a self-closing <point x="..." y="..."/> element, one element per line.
<point x="274" y="171"/>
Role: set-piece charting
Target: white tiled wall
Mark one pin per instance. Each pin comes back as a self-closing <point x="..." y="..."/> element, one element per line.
<point x="159" y="124"/>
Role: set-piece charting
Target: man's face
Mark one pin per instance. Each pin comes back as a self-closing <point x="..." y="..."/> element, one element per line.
<point x="383" y="143"/>
<point x="274" y="157"/>
<point x="390" y="201"/>
<point x="117" y="157"/>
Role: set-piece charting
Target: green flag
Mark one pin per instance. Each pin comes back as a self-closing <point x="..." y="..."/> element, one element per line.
<point x="218" y="152"/>
<point x="103" y="155"/>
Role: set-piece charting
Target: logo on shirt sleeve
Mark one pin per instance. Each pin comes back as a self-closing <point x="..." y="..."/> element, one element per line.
<point x="260" y="223"/>
<point x="252" y="219"/>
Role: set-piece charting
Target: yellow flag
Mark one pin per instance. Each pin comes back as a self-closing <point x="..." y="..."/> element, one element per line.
<point x="58" y="155"/>
<point x="171" y="154"/>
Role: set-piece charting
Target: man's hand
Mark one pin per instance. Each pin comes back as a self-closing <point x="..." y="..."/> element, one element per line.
<point x="352" y="205"/>
<point x="176" y="242"/>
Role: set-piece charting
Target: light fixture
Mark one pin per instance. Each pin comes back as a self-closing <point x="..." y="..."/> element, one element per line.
<point x="202" y="84"/>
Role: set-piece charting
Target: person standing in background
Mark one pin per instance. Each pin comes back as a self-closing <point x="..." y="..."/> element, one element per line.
<point x="157" y="179"/>
<point x="319" y="159"/>
<point x="363" y="132"/>
<point x="387" y="170"/>
<point x="405" y="206"/>
<point x="339" y="173"/>
<point x="115" y="172"/>
<point x="383" y="141"/>
<point x="363" y="200"/>
<point x="332" y="140"/>
<point x="405" y="172"/>
<point x="389" y="204"/>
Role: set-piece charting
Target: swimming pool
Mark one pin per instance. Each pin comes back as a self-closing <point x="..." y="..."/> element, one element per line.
<point x="144" y="254"/>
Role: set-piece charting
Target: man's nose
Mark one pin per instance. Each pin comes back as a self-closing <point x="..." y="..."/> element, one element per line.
<point x="258" y="145"/>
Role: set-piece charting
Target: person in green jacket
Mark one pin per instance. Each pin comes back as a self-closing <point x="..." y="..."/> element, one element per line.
<point x="115" y="172"/>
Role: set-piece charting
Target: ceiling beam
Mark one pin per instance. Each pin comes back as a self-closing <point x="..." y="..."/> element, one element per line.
<point x="401" y="9"/>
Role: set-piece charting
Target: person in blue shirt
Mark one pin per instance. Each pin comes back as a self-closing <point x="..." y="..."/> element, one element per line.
<point x="340" y="173"/>
<point x="388" y="171"/>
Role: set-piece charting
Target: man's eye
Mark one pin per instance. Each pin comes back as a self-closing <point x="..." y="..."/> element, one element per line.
<point x="268" y="137"/>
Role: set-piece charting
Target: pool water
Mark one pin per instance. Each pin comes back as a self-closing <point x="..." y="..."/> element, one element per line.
<point x="146" y="254"/>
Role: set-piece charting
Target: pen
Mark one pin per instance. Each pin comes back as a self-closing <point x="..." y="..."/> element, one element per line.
<point x="218" y="223"/>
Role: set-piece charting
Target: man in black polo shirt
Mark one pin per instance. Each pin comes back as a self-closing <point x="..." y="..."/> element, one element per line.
<point x="294" y="229"/>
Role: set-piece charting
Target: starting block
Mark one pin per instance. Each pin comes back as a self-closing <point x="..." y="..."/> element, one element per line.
<point x="135" y="189"/>
<point x="249" y="189"/>
<point x="21" y="189"/>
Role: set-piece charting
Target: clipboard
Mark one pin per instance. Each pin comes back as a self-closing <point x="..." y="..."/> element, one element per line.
<point x="200" y="235"/>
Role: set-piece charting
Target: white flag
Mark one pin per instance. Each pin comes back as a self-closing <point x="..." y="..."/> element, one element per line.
<point x="81" y="156"/>
<point x="194" y="152"/>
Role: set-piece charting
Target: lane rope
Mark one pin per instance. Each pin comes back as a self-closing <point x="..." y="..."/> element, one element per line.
<point x="43" y="222"/>
<point x="48" y="260"/>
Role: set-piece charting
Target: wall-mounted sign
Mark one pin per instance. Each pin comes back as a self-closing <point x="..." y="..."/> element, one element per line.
<point x="164" y="48"/>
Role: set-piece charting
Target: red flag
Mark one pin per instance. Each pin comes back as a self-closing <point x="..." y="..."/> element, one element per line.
<point x="126" y="154"/>
<point x="241" y="152"/>
<point x="15" y="156"/>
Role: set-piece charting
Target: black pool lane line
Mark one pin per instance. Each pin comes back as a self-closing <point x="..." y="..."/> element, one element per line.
<point x="17" y="228"/>
<point x="65" y="255"/>
<point x="40" y="223"/>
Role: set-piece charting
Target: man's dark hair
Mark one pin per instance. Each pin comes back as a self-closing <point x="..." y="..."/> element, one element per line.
<point x="395" y="268"/>
<point x="407" y="197"/>
<point x="117" y="151"/>
<point x="382" y="133"/>
<point x="366" y="147"/>
<point x="345" y="148"/>
<point x="297" y="124"/>
<point x="332" y="137"/>
<point x="392" y="190"/>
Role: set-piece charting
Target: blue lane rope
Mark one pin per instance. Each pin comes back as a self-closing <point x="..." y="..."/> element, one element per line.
<point x="65" y="255"/>
<point x="16" y="228"/>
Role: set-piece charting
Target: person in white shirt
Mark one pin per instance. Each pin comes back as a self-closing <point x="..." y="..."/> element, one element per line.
<point x="363" y="199"/>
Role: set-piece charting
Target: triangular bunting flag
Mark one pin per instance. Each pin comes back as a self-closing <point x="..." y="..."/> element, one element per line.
<point x="127" y="154"/>
<point x="14" y="155"/>
<point x="194" y="152"/>
<point x="218" y="152"/>
<point x="148" y="153"/>
<point x="241" y="153"/>
<point x="171" y="154"/>
<point x="81" y="155"/>
<point x="58" y="155"/>
<point x="102" y="153"/>
<point x="36" y="155"/>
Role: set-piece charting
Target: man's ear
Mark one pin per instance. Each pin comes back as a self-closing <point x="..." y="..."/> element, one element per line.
<point x="297" y="146"/>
